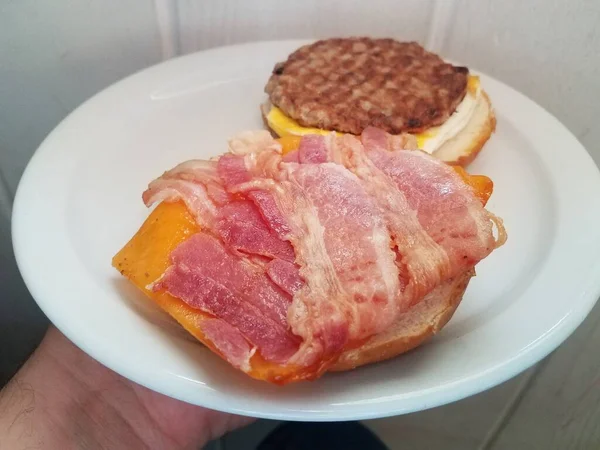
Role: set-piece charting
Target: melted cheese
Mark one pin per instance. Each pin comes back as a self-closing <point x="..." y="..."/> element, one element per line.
<point x="430" y="140"/>
<point x="286" y="126"/>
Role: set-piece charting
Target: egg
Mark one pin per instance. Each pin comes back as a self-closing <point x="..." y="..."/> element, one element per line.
<point x="429" y="140"/>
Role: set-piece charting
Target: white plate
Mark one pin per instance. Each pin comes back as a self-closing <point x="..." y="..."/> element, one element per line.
<point x="79" y="202"/>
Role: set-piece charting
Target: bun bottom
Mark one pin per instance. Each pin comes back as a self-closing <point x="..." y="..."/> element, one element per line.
<point x="413" y="328"/>
<point x="465" y="146"/>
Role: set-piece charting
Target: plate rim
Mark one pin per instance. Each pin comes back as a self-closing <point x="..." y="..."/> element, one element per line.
<point x="521" y="362"/>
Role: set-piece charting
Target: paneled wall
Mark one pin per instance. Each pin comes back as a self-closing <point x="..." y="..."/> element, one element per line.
<point x="56" y="54"/>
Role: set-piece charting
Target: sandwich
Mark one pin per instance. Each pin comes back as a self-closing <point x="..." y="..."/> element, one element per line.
<point x="348" y="84"/>
<point x="290" y="261"/>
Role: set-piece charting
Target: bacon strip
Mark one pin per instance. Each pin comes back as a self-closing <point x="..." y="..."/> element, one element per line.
<point x="205" y="276"/>
<point x="421" y="263"/>
<point x="446" y="207"/>
<point x="312" y="150"/>
<point x="203" y="172"/>
<point x="242" y="228"/>
<point x="306" y="254"/>
<point x="286" y="275"/>
<point x="320" y="209"/>
<point x="194" y="196"/>
<point x="230" y="342"/>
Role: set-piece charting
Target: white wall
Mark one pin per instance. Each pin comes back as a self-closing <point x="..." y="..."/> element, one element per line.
<point x="55" y="54"/>
<point x="548" y="49"/>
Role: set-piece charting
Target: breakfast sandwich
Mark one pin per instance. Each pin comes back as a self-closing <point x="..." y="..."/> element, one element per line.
<point x="346" y="85"/>
<point x="290" y="261"/>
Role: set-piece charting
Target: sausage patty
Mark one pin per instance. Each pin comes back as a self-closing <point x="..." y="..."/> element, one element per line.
<point x="348" y="84"/>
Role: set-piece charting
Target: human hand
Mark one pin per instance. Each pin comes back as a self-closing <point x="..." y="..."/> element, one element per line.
<point x="63" y="399"/>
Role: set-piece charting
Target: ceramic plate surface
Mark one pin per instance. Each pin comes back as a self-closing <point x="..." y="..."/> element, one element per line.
<point x="79" y="201"/>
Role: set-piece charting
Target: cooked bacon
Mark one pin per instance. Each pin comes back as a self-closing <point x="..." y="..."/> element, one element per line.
<point x="420" y="196"/>
<point x="270" y="212"/>
<point x="205" y="276"/>
<point x="232" y="170"/>
<point x="255" y="141"/>
<point x="291" y="157"/>
<point x="286" y="275"/>
<point x="309" y="253"/>
<point x="321" y="208"/>
<point x="194" y="170"/>
<point x="446" y="207"/>
<point x="312" y="150"/>
<point x="194" y="196"/>
<point x="242" y="228"/>
<point x="362" y="274"/>
<point x="229" y="341"/>
<point x="203" y="172"/>
<point x="421" y="263"/>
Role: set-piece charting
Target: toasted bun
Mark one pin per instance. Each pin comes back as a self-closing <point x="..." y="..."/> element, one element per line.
<point x="411" y="329"/>
<point x="466" y="145"/>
